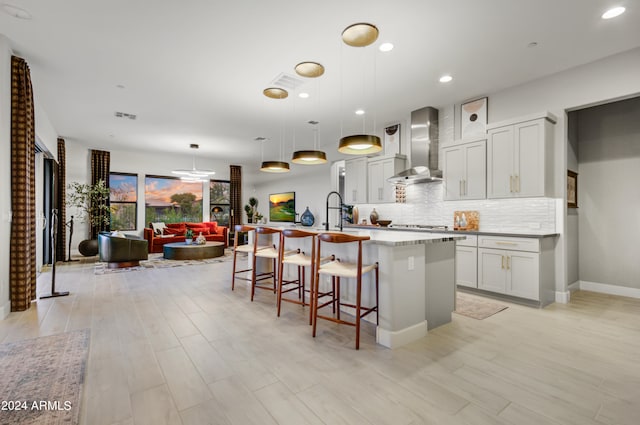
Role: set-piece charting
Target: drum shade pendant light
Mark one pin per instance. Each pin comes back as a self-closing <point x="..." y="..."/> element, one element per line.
<point x="275" y="93"/>
<point x="360" y="35"/>
<point x="311" y="157"/>
<point x="309" y="69"/>
<point x="194" y="174"/>
<point x="274" y="166"/>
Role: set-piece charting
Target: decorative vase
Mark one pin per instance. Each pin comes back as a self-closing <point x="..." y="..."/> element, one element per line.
<point x="201" y="240"/>
<point x="373" y="217"/>
<point x="88" y="247"/>
<point x="188" y="241"/>
<point x="307" y="218"/>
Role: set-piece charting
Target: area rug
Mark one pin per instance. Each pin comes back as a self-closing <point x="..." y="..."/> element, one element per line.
<point x="475" y="307"/>
<point x="41" y="379"/>
<point x="157" y="261"/>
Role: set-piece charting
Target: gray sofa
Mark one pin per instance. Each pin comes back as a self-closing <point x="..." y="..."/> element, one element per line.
<point x="122" y="252"/>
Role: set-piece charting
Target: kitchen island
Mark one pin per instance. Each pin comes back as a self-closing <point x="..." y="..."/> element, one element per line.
<point x="417" y="281"/>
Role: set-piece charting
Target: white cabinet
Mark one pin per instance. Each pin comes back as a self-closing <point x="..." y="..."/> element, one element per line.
<point x="464" y="170"/>
<point x="355" y="181"/>
<point x="379" y="170"/>
<point x="467" y="262"/>
<point x="520" y="158"/>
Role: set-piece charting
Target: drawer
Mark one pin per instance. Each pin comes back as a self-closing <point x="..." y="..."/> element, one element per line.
<point x="472" y="240"/>
<point x="515" y="244"/>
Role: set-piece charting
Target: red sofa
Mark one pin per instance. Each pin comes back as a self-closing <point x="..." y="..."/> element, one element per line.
<point x="174" y="232"/>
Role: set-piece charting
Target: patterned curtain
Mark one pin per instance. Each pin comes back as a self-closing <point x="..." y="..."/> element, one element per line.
<point x="22" y="274"/>
<point x="100" y="167"/>
<point x="235" y="172"/>
<point x="61" y="201"/>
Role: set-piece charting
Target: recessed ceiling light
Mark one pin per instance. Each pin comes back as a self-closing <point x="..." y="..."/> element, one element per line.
<point x="386" y="47"/>
<point x="303" y="95"/>
<point x="532" y="44"/>
<point x="359" y="111"/>
<point x="446" y="78"/>
<point x="16" y="12"/>
<point x="120" y="86"/>
<point x="612" y="13"/>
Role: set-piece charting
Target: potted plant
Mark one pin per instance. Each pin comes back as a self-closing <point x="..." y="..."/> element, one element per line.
<point x="251" y="209"/>
<point x="91" y="203"/>
<point x="188" y="237"/>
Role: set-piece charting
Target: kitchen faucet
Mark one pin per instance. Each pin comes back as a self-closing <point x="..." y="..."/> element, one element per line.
<point x="326" y="223"/>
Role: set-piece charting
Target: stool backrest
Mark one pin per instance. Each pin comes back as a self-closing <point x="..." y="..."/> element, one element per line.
<point x="267" y="230"/>
<point x="296" y="233"/>
<point x="240" y="228"/>
<point x="342" y="238"/>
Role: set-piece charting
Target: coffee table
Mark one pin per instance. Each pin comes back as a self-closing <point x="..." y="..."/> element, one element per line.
<point x="182" y="251"/>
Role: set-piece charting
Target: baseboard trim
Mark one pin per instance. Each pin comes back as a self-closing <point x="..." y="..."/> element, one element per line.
<point x="395" y="339"/>
<point x="563" y="297"/>
<point x="5" y="309"/>
<point x="606" y="288"/>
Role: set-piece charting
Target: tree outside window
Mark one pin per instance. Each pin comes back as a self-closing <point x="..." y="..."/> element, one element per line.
<point x="172" y="200"/>
<point x="219" y="201"/>
<point x="123" y="189"/>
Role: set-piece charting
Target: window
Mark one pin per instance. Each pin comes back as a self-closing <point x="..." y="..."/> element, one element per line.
<point x="123" y="199"/>
<point x="171" y="200"/>
<point x="219" y="203"/>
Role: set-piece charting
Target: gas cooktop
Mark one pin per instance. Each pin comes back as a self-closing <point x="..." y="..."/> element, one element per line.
<point x="420" y="226"/>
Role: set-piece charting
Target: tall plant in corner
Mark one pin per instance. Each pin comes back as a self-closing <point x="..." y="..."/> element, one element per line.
<point x="91" y="202"/>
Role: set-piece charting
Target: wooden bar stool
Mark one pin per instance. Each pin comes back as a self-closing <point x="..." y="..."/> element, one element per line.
<point x="301" y="260"/>
<point x="247" y="249"/>
<point x="265" y="251"/>
<point x="337" y="270"/>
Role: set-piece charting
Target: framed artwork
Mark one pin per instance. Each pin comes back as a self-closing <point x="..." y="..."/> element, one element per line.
<point x="282" y="207"/>
<point x="474" y="117"/>
<point x="572" y="189"/>
<point x="392" y="139"/>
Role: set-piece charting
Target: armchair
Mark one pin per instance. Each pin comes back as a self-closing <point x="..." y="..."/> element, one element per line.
<point x="122" y="252"/>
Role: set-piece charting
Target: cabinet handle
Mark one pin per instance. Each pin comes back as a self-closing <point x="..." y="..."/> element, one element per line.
<point x="355" y="195"/>
<point x="517" y="183"/>
<point x="460" y="188"/>
<point x="510" y="183"/>
<point x="379" y="194"/>
<point x="505" y="243"/>
<point x="508" y="263"/>
<point x="464" y="185"/>
<point x="502" y="261"/>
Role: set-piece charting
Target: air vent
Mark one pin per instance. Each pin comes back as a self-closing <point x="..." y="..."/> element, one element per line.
<point x="287" y="81"/>
<point x="260" y="139"/>
<point x="125" y="115"/>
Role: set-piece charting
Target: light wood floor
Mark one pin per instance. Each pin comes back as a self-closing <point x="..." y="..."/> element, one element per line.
<point x="177" y="346"/>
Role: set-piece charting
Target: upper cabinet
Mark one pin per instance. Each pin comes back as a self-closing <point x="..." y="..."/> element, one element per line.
<point x="379" y="170"/>
<point x="465" y="170"/>
<point x="520" y="158"/>
<point x="355" y="181"/>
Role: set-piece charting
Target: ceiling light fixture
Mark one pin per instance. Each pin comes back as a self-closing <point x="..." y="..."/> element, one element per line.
<point x="386" y="47"/>
<point x="360" y="34"/>
<point x="309" y="69"/>
<point x="194" y="174"/>
<point x="275" y="93"/>
<point x="314" y="156"/>
<point x="613" y="12"/>
<point x="446" y="78"/>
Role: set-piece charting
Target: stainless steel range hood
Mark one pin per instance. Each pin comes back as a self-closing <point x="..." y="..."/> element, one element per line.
<point x="424" y="149"/>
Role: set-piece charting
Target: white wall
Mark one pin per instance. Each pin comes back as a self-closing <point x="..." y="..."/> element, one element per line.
<point x="608" y="195"/>
<point x="572" y="234"/>
<point x="5" y="173"/>
<point x="311" y="183"/>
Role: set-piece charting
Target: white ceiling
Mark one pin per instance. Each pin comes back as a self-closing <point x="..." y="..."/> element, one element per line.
<point x="193" y="71"/>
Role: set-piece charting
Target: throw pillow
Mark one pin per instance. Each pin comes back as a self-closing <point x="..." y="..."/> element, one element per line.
<point x="213" y="227"/>
<point x="118" y="234"/>
<point x="197" y="230"/>
<point x="171" y="232"/>
<point x="158" y="228"/>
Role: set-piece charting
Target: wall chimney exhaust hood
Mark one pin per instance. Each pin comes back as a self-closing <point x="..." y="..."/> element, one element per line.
<point x="424" y="149"/>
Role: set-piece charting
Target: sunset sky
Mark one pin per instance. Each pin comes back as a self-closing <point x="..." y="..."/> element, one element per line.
<point x="158" y="191"/>
<point x="276" y="198"/>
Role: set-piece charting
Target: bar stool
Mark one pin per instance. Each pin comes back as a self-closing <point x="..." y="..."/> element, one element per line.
<point x="247" y="249"/>
<point x="337" y="269"/>
<point x="269" y="252"/>
<point x="301" y="260"/>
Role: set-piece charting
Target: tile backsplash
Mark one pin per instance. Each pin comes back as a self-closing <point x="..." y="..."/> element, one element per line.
<point x="424" y="205"/>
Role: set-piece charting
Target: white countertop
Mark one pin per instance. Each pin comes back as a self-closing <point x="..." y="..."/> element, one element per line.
<point x="516" y="234"/>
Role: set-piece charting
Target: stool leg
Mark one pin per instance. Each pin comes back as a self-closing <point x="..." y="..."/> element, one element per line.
<point x="274" y="275"/>
<point x="300" y="282"/>
<point x="280" y="273"/>
<point x="311" y="292"/>
<point x="358" y="299"/>
<point x="253" y="277"/>
<point x="337" y="297"/>
<point x="377" y="302"/>
<point x="314" y="302"/>
<point x="333" y="293"/>
<point x="233" y="274"/>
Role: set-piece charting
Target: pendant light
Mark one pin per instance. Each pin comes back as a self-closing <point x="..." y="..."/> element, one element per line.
<point x="361" y="35"/>
<point x="275" y="166"/>
<point x="315" y="156"/>
<point x="194" y="174"/>
<point x="311" y="157"/>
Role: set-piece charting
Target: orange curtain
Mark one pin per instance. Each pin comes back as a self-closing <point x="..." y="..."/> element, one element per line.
<point x="22" y="274"/>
